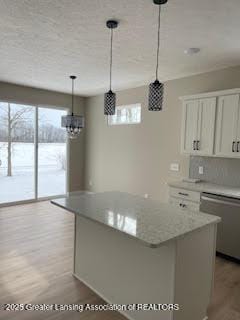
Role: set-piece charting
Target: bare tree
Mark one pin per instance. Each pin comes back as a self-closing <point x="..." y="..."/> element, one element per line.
<point x="12" y="118"/>
<point x="60" y="158"/>
<point x="48" y="133"/>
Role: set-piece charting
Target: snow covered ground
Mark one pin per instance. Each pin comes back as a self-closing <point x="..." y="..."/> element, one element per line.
<point x="51" y="173"/>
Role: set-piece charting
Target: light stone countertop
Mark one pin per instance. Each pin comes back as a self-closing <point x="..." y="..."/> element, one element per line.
<point x="207" y="187"/>
<point x="146" y="220"/>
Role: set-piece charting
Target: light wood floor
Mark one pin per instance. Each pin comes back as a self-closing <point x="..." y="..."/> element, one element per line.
<point x="36" y="246"/>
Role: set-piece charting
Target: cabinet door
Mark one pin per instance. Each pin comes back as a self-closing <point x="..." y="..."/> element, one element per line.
<point x="238" y="132"/>
<point x="184" y="204"/>
<point x="227" y="119"/>
<point x="206" y="126"/>
<point x="190" y="125"/>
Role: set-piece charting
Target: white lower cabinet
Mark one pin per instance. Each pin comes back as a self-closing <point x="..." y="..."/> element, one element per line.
<point x="187" y="195"/>
<point x="184" y="204"/>
<point x="184" y="199"/>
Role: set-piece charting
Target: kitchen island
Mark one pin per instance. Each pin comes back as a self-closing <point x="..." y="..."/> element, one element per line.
<point x="132" y="250"/>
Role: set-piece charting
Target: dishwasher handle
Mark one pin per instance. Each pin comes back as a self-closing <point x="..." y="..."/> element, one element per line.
<point x="224" y="201"/>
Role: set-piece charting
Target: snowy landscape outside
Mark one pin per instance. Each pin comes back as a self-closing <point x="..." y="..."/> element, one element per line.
<point x="17" y="175"/>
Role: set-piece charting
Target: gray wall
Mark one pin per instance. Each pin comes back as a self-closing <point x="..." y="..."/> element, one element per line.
<point x="132" y="158"/>
<point x="137" y="158"/>
<point x="38" y="97"/>
<point x="216" y="170"/>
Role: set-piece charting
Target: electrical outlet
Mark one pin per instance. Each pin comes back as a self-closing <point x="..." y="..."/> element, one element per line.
<point x="200" y="170"/>
<point x="146" y="195"/>
<point x="90" y="183"/>
<point x="174" y="167"/>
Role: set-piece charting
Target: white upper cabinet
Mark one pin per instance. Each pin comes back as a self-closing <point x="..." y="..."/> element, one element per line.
<point x="228" y="126"/>
<point x="206" y="127"/>
<point x="238" y="131"/>
<point x="190" y="127"/>
<point x="211" y="124"/>
<point x="198" y="126"/>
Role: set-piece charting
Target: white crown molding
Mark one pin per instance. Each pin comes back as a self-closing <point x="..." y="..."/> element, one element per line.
<point x="211" y="94"/>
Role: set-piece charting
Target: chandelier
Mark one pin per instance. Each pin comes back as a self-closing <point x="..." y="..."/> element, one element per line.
<point x="73" y="123"/>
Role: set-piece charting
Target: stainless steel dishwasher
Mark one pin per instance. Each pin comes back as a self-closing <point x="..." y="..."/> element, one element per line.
<point x="228" y="231"/>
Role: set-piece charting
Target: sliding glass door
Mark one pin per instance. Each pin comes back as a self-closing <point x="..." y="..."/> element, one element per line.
<point x="51" y="153"/>
<point x="16" y="152"/>
<point x="32" y="153"/>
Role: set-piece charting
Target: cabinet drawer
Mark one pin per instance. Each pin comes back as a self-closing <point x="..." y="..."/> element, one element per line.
<point x="184" y="204"/>
<point x="185" y="194"/>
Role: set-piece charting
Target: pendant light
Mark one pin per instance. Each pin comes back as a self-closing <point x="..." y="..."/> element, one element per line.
<point x="156" y="88"/>
<point x="73" y="123"/>
<point x="110" y="97"/>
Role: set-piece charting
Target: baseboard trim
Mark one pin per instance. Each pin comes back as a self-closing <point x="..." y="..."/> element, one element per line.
<point x="226" y="257"/>
<point x="105" y="299"/>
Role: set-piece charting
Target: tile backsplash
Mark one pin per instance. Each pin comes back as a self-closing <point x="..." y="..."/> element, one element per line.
<point x="216" y="170"/>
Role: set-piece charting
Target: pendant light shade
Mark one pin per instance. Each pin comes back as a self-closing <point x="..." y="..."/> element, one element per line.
<point x="109" y="103"/>
<point x="73" y="123"/>
<point x="155" y="99"/>
<point x="110" y="97"/>
<point x="156" y="88"/>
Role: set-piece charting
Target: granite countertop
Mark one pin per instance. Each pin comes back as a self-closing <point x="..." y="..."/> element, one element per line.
<point x="208" y="187"/>
<point x="146" y="220"/>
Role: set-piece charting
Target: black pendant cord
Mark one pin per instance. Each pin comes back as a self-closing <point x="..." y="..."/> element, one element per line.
<point x="72" y="95"/>
<point x="110" y="97"/>
<point x="111" y="49"/>
<point x="158" y="42"/>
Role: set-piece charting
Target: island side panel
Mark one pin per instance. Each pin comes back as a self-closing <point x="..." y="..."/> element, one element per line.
<point x="123" y="270"/>
<point x="195" y="263"/>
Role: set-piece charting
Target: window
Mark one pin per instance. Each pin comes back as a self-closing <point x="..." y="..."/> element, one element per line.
<point x="128" y="114"/>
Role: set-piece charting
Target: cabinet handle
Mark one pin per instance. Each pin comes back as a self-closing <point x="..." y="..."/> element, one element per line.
<point x="238" y="143"/>
<point x="182" y="205"/>
<point x="198" y="145"/>
<point x="233" y="146"/>
<point x="183" y="194"/>
<point x="194" y="145"/>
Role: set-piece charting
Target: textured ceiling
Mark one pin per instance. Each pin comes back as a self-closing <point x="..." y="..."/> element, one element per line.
<point x="44" y="41"/>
